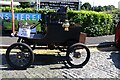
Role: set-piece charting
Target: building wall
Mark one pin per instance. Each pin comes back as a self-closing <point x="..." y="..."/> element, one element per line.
<point x="119" y="5"/>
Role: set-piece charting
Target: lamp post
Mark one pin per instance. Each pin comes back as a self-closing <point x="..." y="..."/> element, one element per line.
<point x="37" y="5"/>
<point x="12" y="10"/>
<point x="79" y="4"/>
<point x="93" y="4"/>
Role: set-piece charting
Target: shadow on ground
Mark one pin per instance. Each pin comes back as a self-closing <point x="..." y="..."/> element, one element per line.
<point x="107" y="46"/>
<point x="115" y="56"/>
<point x="42" y="60"/>
<point x="115" y="53"/>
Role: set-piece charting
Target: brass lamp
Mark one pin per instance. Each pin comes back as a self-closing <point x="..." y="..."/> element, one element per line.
<point x="66" y="25"/>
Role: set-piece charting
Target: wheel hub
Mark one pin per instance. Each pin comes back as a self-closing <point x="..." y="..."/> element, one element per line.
<point x="20" y="55"/>
<point x="77" y="55"/>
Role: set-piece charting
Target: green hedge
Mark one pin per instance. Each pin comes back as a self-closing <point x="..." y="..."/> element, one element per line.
<point x="28" y="10"/>
<point x="93" y="23"/>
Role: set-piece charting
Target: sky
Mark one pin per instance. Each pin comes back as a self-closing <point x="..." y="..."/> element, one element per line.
<point x="97" y="2"/>
<point x="102" y="2"/>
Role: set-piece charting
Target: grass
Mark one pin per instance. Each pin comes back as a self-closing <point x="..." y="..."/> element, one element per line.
<point x="8" y="25"/>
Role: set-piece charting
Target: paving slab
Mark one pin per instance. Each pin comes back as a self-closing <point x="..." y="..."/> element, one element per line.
<point x="6" y="40"/>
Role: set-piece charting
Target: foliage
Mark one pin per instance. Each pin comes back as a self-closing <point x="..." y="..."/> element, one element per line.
<point x="7" y="25"/>
<point x="86" y="6"/>
<point x="6" y="9"/>
<point x="24" y="4"/>
<point x="104" y="8"/>
<point x="93" y="23"/>
<point x="116" y="15"/>
<point x="28" y="10"/>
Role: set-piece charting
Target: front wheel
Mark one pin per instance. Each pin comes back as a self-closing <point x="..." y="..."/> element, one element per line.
<point x="19" y="56"/>
<point x="77" y="55"/>
<point x="20" y="40"/>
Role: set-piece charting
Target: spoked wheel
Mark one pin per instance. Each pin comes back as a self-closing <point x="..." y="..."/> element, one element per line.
<point x="78" y="55"/>
<point x="23" y="41"/>
<point x="19" y="56"/>
<point x="20" y="40"/>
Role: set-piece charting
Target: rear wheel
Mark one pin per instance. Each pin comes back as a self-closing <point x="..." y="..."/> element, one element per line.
<point x="19" y="56"/>
<point x="78" y="55"/>
<point x="20" y="40"/>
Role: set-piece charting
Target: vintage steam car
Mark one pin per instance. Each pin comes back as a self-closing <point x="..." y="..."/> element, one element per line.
<point x="57" y="33"/>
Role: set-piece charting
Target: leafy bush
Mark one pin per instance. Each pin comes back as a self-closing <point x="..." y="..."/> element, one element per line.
<point x="6" y="9"/>
<point x="27" y="10"/>
<point x="93" y="23"/>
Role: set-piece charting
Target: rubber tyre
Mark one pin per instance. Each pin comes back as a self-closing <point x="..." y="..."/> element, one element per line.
<point x="71" y="48"/>
<point x="20" y="40"/>
<point x="31" y="60"/>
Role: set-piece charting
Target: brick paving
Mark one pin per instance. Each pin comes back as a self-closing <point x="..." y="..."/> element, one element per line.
<point x="102" y="64"/>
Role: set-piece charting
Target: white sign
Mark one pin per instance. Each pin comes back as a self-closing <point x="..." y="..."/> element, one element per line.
<point x="24" y="32"/>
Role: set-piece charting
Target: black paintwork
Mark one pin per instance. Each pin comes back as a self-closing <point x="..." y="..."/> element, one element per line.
<point x="55" y="34"/>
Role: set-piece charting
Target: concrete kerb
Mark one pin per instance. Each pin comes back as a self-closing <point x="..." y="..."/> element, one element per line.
<point x="4" y="46"/>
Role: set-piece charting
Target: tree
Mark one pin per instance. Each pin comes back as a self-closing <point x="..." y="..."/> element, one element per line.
<point x="95" y="8"/>
<point x="24" y="4"/>
<point x="105" y="8"/>
<point x="111" y="7"/>
<point x="86" y="6"/>
<point x="98" y="8"/>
